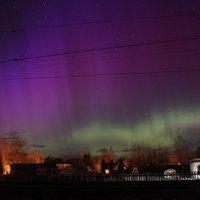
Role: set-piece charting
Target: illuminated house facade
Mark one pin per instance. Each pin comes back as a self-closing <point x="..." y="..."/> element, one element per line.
<point x="107" y="168"/>
<point x="195" y="165"/>
<point x="111" y="167"/>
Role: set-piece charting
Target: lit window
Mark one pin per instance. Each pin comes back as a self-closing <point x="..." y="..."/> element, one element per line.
<point x="107" y="171"/>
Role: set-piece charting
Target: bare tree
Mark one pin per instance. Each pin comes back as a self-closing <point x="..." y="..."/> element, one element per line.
<point x="35" y="157"/>
<point x="181" y="150"/>
<point x="12" y="151"/>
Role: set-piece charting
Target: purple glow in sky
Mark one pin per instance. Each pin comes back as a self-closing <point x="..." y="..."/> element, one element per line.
<point x="87" y="74"/>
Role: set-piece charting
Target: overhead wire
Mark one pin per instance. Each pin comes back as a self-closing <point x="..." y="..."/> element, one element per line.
<point x="159" y="42"/>
<point x="103" y="74"/>
<point x="96" y="22"/>
<point x="104" y="21"/>
<point x="115" y="47"/>
<point x="121" y="57"/>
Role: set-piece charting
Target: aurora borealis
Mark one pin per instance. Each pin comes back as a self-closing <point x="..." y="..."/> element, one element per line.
<point x="85" y="75"/>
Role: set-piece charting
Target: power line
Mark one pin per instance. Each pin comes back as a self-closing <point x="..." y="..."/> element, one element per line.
<point x="103" y="74"/>
<point x="105" y="59"/>
<point x="161" y="42"/>
<point x="104" y="21"/>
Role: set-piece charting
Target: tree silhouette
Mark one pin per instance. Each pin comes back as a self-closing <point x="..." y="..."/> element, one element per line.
<point x="1" y="165"/>
<point x="12" y="151"/>
<point x="181" y="150"/>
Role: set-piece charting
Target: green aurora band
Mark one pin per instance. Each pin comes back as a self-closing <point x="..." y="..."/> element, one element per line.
<point x="159" y="130"/>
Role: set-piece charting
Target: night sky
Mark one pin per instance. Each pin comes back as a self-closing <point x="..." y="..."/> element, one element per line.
<point x="82" y="75"/>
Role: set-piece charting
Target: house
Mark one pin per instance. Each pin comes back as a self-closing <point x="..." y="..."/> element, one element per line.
<point x="195" y="167"/>
<point x="111" y="167"/>
<point x="107" y="168"/>
<point x="32" y="169"/>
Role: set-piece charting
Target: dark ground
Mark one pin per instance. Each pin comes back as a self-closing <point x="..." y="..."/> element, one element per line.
<point x="172" y="190"/>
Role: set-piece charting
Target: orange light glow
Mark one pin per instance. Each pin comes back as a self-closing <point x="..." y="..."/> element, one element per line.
<point x="107" y="171"/>
<point x="7" y="170"/>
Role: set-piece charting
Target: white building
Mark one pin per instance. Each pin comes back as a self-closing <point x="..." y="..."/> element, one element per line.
<point x="195" y="168"/>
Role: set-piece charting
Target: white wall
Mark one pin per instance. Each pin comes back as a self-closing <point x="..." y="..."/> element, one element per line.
<point x="194" y="166"/>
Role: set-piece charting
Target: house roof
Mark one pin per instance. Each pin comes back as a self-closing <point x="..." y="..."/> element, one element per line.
<point x="194" y="160"/>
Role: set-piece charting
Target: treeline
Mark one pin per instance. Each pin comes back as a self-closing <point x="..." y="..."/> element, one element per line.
<point x="12" y="150"/>
<point x="140" y="156"/>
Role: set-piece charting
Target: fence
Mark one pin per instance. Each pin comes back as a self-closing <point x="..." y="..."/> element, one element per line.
<point x="126" y="177"/>
<point x="97" y="177"/>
